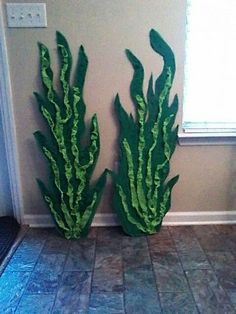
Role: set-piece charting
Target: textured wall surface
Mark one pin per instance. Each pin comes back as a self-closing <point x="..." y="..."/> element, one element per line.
<point x="106" y="28"/>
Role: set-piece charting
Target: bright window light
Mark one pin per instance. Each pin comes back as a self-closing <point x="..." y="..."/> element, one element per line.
<point x="210" y="69"/>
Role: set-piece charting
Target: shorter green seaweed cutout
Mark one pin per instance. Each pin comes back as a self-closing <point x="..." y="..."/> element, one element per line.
<point x="70" y="197"/>
<point x="142" y="196"/>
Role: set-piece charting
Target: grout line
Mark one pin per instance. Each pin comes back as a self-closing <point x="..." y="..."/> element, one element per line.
<point x="63" y="271"/>
<point x="154" y="275"/>
<point x="19" y="238"/>
<point x="184" y="271"/>
<point x="123" y="271"/>
<point x="212" y="267"/>
<point x="93" y="267"/>
<point x="30" y="272"/>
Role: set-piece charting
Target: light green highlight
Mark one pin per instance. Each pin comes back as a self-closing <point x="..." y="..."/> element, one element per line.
<point x="143" y="196"/>
<point x="71" y="198"/>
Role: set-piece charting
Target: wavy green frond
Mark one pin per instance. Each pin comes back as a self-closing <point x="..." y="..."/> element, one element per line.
<point x="56" y="215"/>
<point x="142" y="112"/>
<point x="66" y="63"/>
<point x="127" y="212"/>
<point x="71" y="164"/>
<point x="142" y="196"/>
<point x="136" y="86"/>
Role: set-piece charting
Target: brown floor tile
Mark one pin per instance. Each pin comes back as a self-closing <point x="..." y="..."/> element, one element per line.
<point x="209" y="295"/>
<point x="187" y="269"/>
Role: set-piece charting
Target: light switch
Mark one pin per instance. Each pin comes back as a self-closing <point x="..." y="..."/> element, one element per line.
<point x="26" y="14"/>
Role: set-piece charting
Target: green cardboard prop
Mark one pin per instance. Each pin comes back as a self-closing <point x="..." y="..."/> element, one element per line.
<point x="142" y="196"/>
<point x="69" y="196"/>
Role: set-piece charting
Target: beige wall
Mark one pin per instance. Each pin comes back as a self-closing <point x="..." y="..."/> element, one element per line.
<point x="106" y="28"/>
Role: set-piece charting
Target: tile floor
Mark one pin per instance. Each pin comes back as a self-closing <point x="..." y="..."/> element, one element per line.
<point x="179" y="270"/>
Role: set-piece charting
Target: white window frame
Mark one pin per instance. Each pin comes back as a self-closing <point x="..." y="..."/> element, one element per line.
<point x="207" y="133"/>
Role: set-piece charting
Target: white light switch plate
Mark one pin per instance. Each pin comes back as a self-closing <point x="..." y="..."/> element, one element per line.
<point x="26" y="14"/>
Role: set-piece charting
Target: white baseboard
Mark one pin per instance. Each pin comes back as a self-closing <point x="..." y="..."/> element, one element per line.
<point x="171" y="219"/>
<point x="100" y="220"/>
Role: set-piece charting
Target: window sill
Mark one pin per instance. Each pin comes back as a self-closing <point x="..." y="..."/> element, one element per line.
<point x="199" y="139"/>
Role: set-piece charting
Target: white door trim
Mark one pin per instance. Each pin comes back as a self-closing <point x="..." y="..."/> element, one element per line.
<point x="9" y="132"/>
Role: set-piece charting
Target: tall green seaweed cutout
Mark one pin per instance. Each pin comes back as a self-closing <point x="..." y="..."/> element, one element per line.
<point x="70" y="197"/>
<point x="142" y="196"/>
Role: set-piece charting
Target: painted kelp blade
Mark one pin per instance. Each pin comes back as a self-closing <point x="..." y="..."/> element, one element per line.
<point x="70" y="197"/>
<point x="142" y="194"/>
